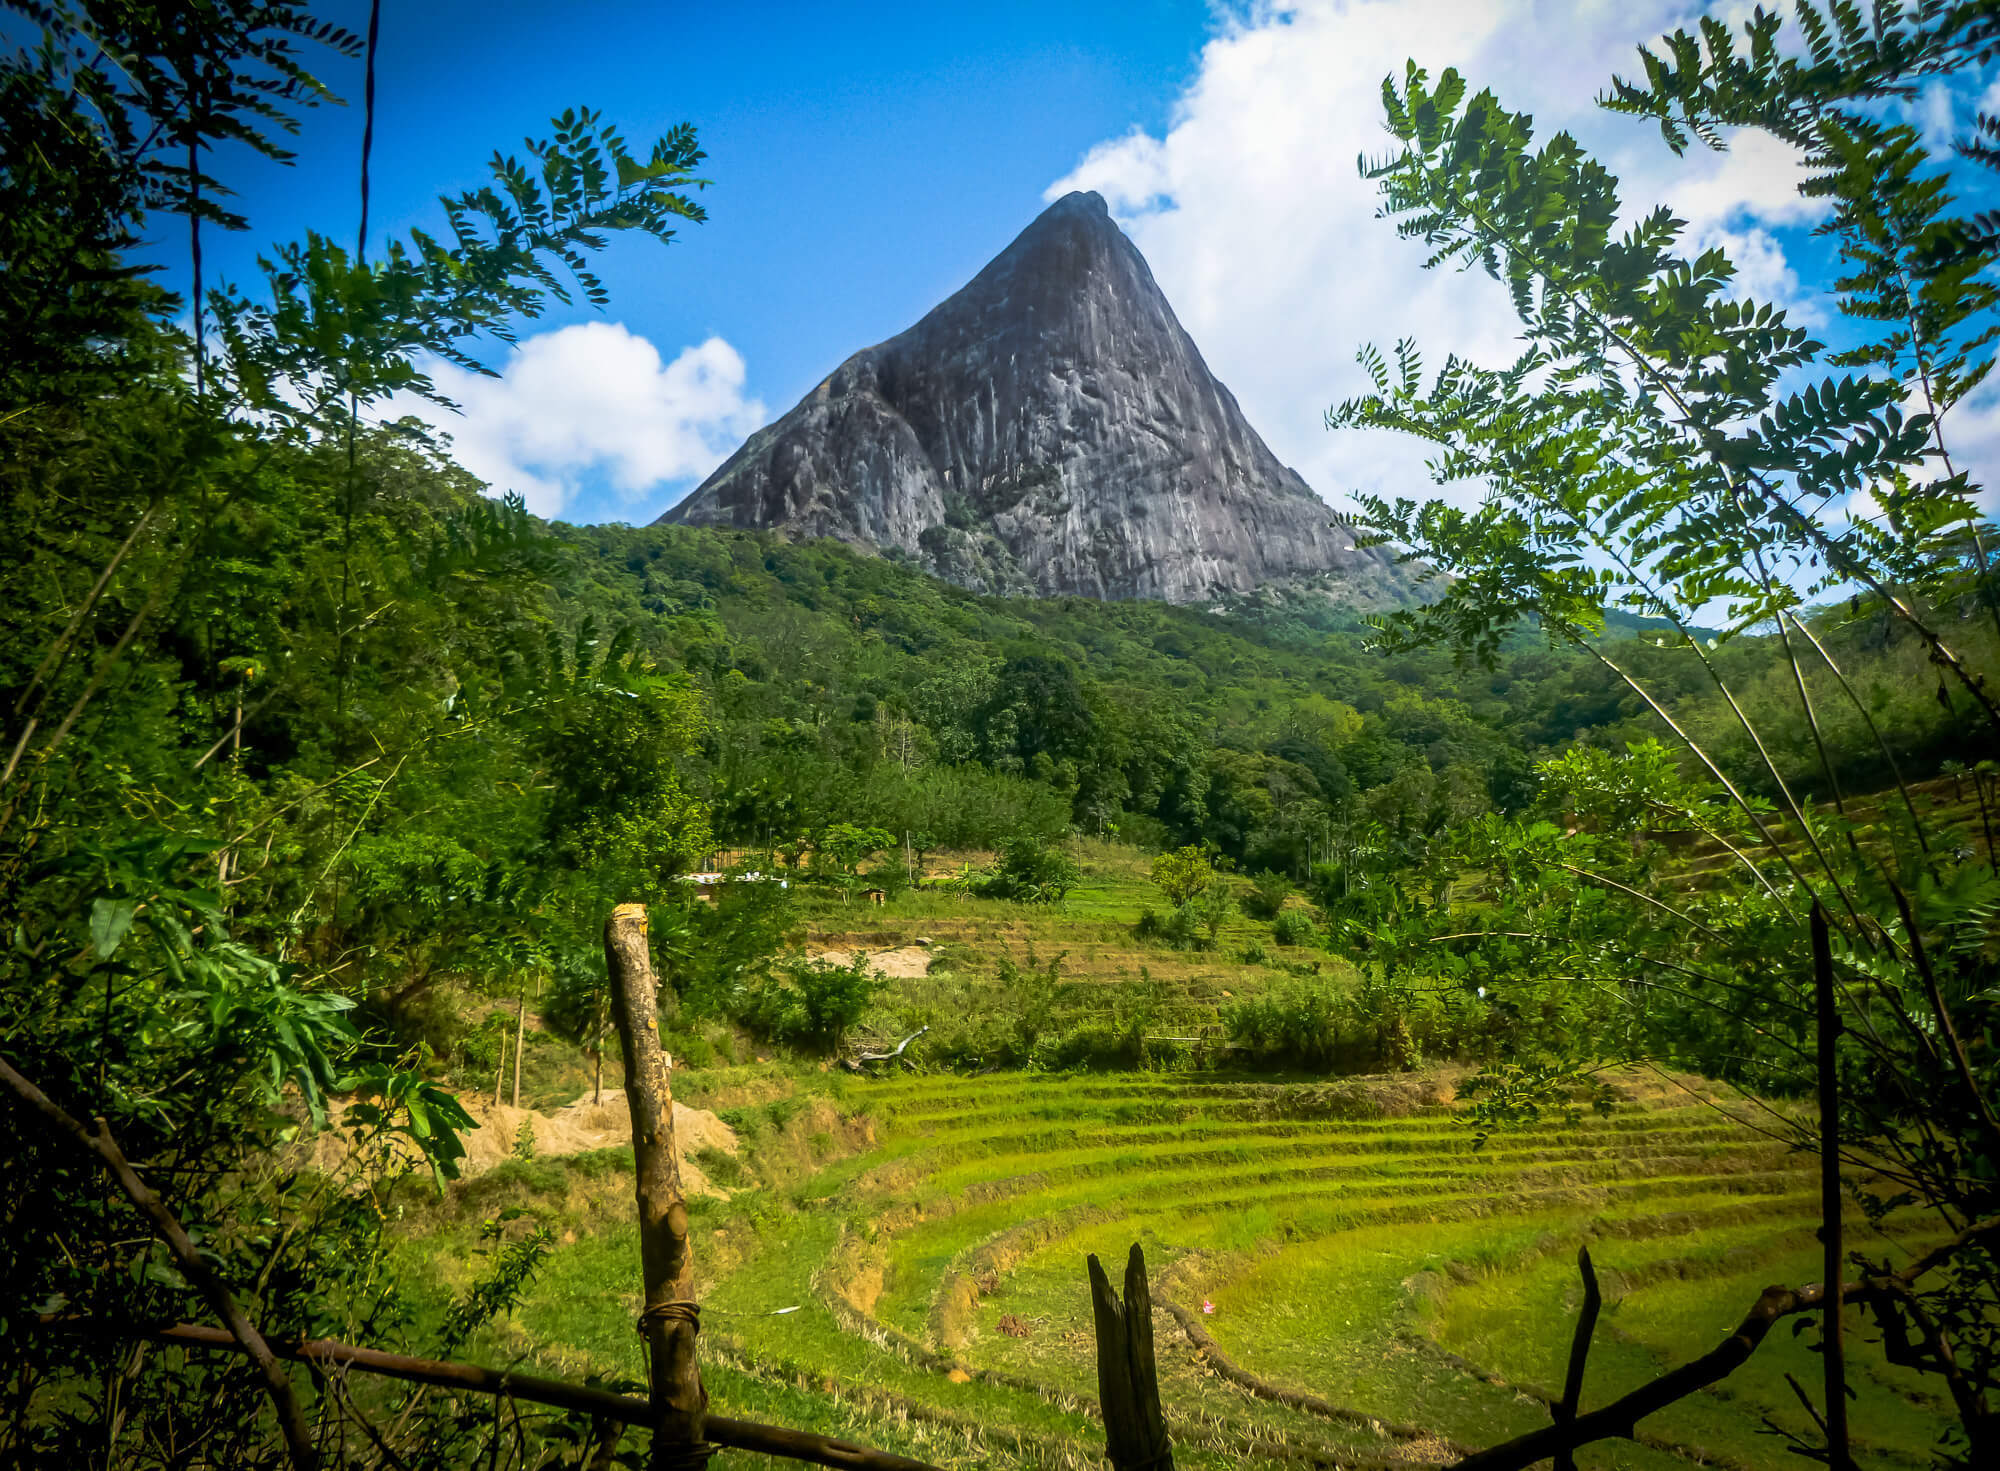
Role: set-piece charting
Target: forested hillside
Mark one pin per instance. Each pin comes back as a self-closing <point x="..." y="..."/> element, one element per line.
<point x="1259" y="732"/>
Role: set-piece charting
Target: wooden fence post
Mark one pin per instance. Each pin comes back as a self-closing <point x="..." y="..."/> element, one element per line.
<point x="672" y="1318"/>
<point x="1579" y="1354"/>
<point x="1128" y="1383"/>
<point x="1833" y="1352"/>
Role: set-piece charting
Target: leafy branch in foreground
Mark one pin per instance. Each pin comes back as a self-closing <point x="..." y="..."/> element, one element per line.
<point x="1664" y="448"/>
<point x="287" y="711"/>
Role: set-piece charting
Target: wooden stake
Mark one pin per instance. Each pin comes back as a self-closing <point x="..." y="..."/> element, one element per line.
<point x="1579" y="1354"/>
<point x="1833" y="1351"/>
<point x="672" y="1318"/>
<point x="520" y="1036"/>
<point x="1128" y="1383"/>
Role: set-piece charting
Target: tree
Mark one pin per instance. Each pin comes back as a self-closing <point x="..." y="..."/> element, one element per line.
<point x="1031" y="871"/>
<point x="1037" y="708"/>
<point x="271" y="709"/>
<point x="1649" y="453"/>
<point x="1182" y="874"/>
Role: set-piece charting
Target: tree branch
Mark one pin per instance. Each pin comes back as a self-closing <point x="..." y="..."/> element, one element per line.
<point x="298" y="1439"/>
<point x="1619" y="1419"/>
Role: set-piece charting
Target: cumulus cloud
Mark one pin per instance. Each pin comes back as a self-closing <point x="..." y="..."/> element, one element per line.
<point x="595" y="406"/>
<point x="1255" y="219"/>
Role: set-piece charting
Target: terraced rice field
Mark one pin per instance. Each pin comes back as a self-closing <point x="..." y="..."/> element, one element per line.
<point x="1381" y="1293"/>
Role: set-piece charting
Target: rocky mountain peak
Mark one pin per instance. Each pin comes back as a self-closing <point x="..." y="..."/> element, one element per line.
<point x="1051" y="429"/>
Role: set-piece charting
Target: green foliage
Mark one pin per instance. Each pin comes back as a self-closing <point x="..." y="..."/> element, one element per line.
<point x="298" y="728"/>
<point x="1317" y="1023"/>
<point x="806" y="1003"/>
<point x="1031" y="872"/>
<point x="512" y="1261"/>
<point x="1297" y="1022"/>
<point x="392" y="1100"/>
<point x="1666" y="448"/>
<point x="843" y="845"/>
<point x="1182" y="875"/>
<point x="1511" y="1097"/>
<point x="1194" y="925"/>
<point x="708" y="953"/>
<point x="1267" y="896"/>
<point x="1294" y="927"/>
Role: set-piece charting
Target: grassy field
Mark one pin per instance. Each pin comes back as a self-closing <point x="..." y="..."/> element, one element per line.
<point x="987" y="956"/>
<point x="913" y="1274"/>
<point x="902" y="1259"/>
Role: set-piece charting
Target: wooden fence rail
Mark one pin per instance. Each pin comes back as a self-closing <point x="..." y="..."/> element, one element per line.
<point x="614" y="1409"/>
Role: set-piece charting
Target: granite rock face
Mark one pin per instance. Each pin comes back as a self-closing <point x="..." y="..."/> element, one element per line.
<point x="1050" y="429"/>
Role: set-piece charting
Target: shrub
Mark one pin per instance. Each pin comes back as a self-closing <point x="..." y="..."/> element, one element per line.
<point x="1297" y="1022"/>
<point x="687" y="1047"/>
<point x="1031" y="872"/>
<point x="1172" y="928"/>
<point x="1190" y="926"/>
<point x="1294" y="927"/>
<point x="1371" y="1024"/>
<point x="1208" y="911"/>
<point x="807" y="1003"/>
<point x="892" y="876"/>
<point x="1267" y="896"/>
<point x="1182" y="874"/>
<point x="721" y="1167"/>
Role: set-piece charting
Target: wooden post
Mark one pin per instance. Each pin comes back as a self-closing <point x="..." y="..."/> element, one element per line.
<point x="520" y="1036"/>
<point x="1833" y="1355"/>
<point x="1128" y="1384"/>
<point x="1579" y="1354"/>
<point x="671" y="1318"/>
<point x="597" y="1058"/>
<point x="500" y="1071"/>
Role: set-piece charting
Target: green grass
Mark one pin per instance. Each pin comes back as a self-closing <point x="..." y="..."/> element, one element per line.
<point x="1367" y="1260"/>
<point x="1108" y="976"/>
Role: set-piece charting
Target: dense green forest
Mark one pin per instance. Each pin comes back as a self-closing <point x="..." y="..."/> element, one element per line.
<point x="313" y="750"/>
<point x="1252" y="732"/>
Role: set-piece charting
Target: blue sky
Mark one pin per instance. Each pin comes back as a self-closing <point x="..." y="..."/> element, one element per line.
<point x="867" y="160"/>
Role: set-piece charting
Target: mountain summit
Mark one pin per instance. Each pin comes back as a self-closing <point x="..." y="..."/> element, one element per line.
<point x="1049" y="429"/>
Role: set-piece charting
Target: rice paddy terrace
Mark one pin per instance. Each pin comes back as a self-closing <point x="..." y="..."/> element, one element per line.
<point x="1340" y="1278"/>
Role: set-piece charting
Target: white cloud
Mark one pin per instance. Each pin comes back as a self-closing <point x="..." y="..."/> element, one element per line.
<point x="594" y="404"/>
<point x="1262" y="233"/>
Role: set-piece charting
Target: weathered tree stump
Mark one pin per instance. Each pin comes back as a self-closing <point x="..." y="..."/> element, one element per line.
<point x="672" y="1318"/>
<point x="1128" y="1383"/>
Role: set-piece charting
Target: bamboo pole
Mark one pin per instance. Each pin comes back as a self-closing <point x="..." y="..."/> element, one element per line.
<point x="671" y="1319"/>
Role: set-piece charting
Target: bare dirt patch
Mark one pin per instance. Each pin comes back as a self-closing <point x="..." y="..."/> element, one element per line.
<point x="576" y="1128"/>
<point x="902" y="962"/>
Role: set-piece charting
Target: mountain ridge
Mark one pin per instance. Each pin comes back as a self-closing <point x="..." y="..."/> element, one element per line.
<point x="1050" y="428"/>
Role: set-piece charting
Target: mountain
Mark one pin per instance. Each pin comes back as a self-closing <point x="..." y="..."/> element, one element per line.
<point x="1049" y="429"/>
